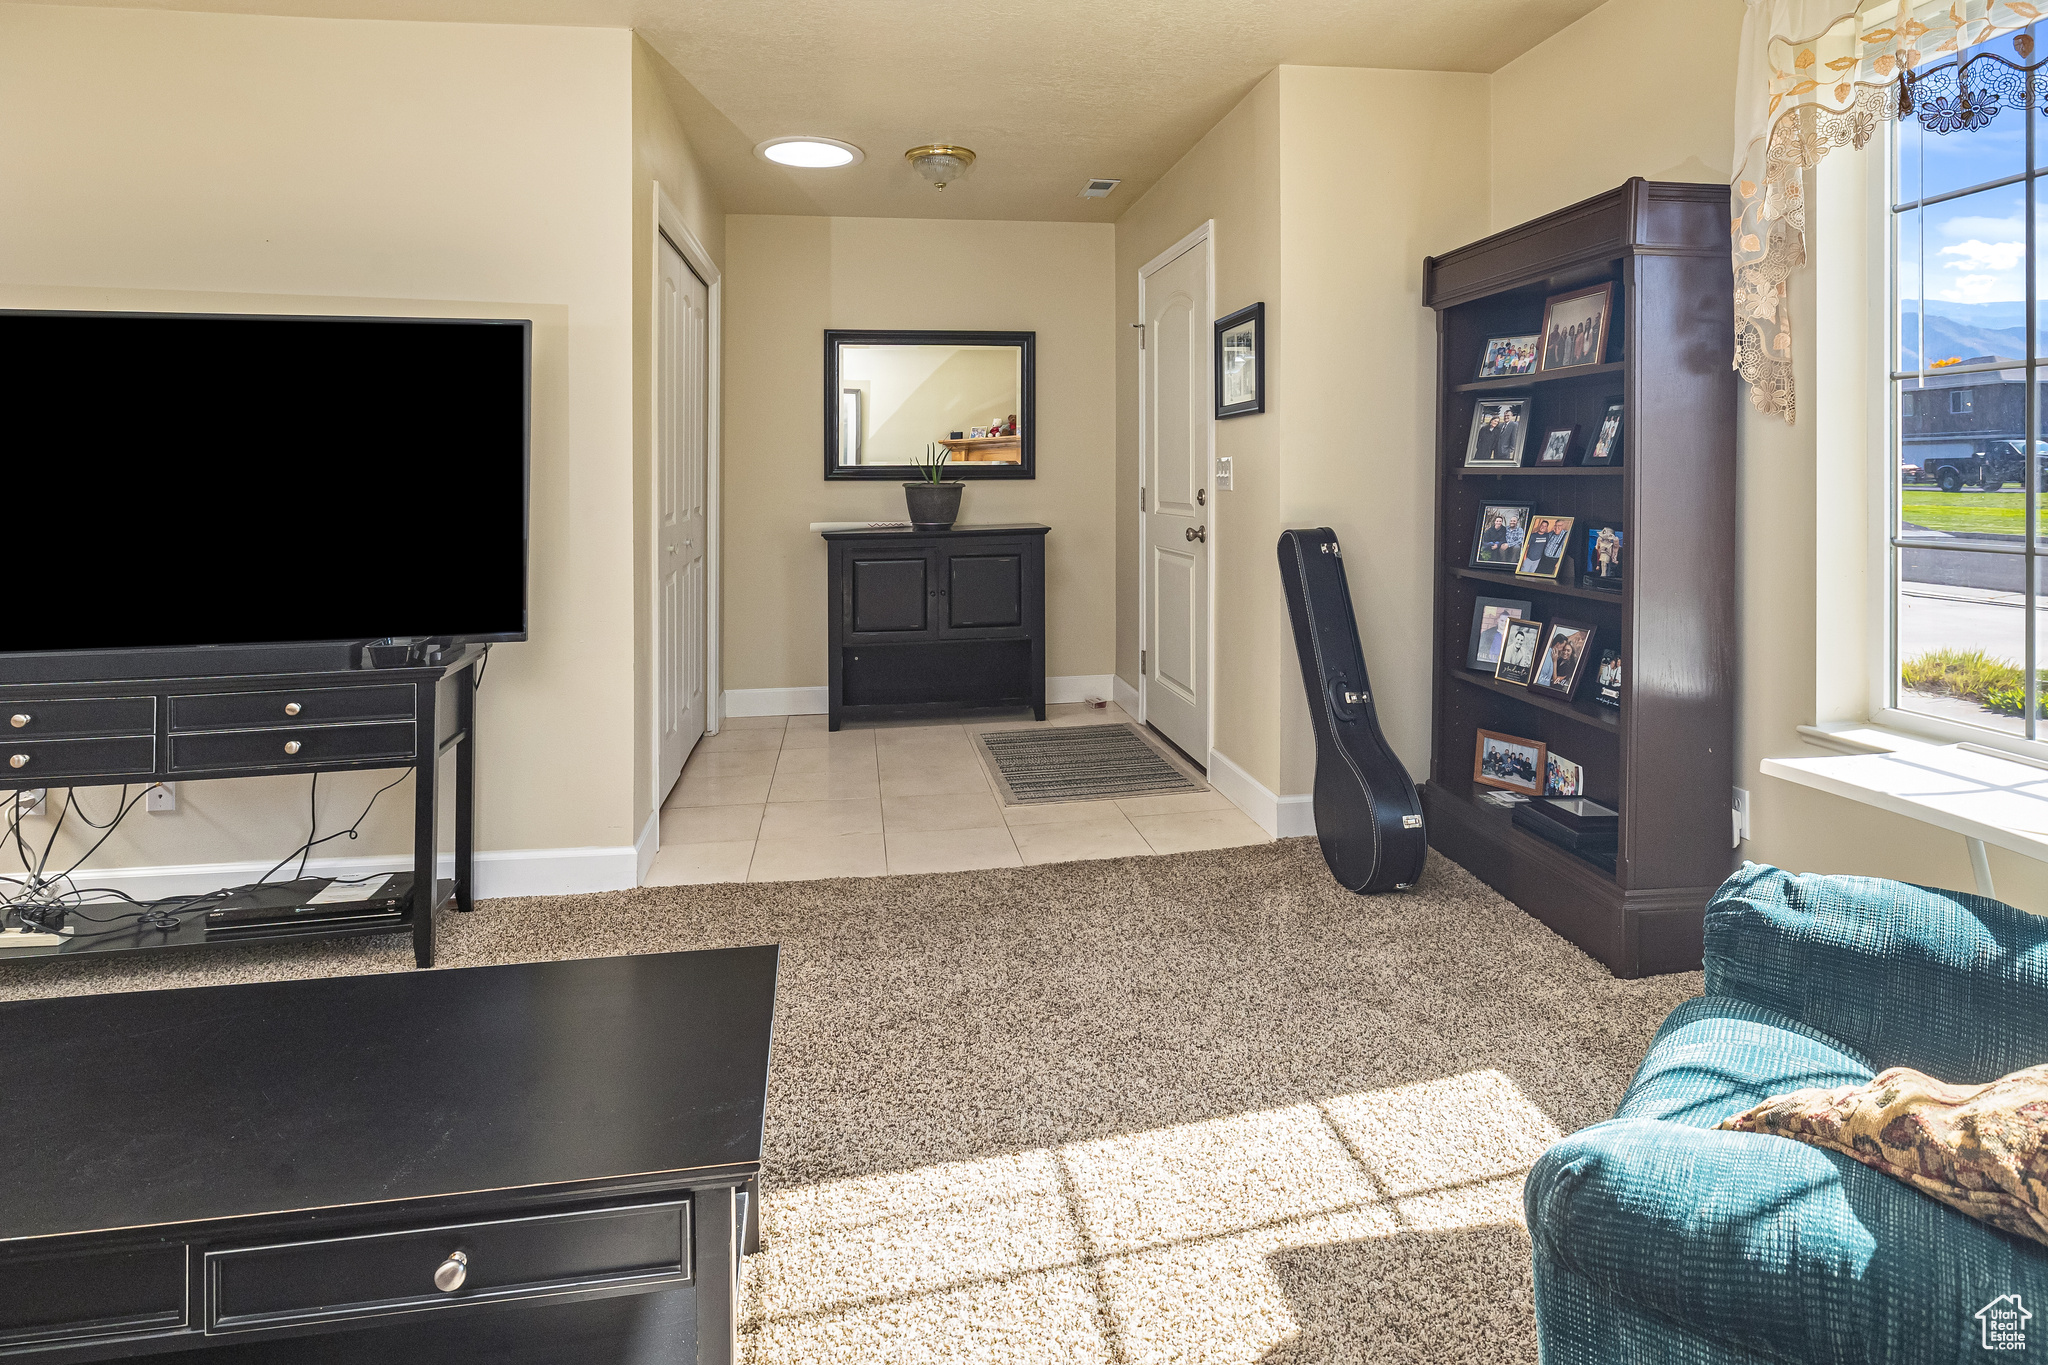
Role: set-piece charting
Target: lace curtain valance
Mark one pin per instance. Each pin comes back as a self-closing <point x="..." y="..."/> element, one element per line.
<point x="1815" y="75"/>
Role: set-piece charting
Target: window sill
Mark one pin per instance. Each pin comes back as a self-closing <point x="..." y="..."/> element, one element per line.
<point x="1988" y="798"/>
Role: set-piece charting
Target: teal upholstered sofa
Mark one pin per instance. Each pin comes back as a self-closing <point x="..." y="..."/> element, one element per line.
<point x="1661" y="1241"/>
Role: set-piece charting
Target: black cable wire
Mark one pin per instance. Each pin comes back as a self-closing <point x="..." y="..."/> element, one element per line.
<point x="478" y="684"/>
<point x="312" y="826"/>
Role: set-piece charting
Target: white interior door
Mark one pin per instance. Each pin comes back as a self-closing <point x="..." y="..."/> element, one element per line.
<point x="682" y="346"/>
<point x="1177" y="412"/>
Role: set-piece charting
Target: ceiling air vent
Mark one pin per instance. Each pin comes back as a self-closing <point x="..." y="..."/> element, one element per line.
<point x="1099" y="189"/>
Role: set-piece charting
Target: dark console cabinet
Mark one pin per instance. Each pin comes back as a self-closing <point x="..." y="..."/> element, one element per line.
<point x="928" y="620"/>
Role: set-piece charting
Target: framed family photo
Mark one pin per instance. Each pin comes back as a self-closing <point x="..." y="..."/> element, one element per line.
<point x="1241" y="362"/>
<point x="1509" y="761"/>
<point x="1563" y="660"/>
<point x="1499" y="427"/>
<point x="1543" y="551"/>
<point x="1562" y="777"/>
<point x="1507" y="356"/>
<point x="1497" y="540"/>
<point x="1520" y="641"/>
<point x="1559" y="444"/>
<point x="1490" y="619"/>
<point x="1606" y="449"/>
<point x="1575" y="328"/>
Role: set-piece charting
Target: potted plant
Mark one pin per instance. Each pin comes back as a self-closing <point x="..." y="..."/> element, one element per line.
<point x="933" y="498"/>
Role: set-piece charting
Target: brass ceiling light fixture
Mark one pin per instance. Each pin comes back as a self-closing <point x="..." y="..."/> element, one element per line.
<point x="940" y="162"/>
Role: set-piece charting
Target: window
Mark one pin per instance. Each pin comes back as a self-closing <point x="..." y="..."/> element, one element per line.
<point x="1965" y="534"/>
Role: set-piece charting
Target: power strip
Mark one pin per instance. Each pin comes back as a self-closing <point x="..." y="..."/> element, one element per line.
<point x="30" y="938"/>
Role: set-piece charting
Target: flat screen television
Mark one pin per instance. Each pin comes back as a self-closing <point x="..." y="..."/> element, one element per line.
<point x="207" y="480"/>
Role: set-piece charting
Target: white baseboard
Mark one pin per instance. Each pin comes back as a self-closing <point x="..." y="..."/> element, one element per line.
<point x="1078" y="687"/>
<point x="1126" y="697"/>
<point x="815" y="701"/>
<point x="1283" y="817"/>
<point x="777" y="701"/>
<point x="645" y="846"/>
<point x="515" y="872"/>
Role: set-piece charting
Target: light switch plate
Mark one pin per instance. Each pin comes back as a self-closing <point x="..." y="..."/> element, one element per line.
<point x="1223" y="474"/>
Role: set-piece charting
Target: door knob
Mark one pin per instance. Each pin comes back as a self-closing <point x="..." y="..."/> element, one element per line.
<point x="1198" y="533"/>
<point x="449" y="1275"/>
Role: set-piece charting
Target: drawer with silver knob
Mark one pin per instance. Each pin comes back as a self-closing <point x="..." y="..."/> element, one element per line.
<point x="31" y="762"/>
<point x="77" y="717"/>
<point x="342" y="1279"/>
<point x="309" y="706"/>
<point x="300" y="746"/>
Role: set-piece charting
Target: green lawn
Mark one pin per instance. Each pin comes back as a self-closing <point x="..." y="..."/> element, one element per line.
<point x="1968" y="510"/>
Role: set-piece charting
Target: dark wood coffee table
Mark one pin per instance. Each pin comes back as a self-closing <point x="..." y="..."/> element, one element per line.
<point x="550" y="1162"/>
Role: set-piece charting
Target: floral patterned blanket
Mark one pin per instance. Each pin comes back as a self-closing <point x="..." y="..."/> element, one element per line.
<point x="1980" y="1149"/>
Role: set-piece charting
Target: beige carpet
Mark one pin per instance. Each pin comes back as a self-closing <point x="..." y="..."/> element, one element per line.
<point x="1199" y="1108"/>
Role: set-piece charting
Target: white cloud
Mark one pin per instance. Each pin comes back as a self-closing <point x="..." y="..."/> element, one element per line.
<point x="2013" y="229"/>
<point x="1981" y="255"/>
<point x="1978" y="289"/>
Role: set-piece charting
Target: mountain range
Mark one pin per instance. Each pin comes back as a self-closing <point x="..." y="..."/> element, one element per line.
<point x="1963" y="331"/>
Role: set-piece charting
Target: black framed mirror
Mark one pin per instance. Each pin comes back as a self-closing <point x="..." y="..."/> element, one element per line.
<point x="892" y="396"/>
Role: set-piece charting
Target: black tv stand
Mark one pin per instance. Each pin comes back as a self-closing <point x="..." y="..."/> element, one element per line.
<point x="201" y="723"/>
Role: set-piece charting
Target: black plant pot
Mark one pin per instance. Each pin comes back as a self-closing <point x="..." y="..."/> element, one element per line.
<point x="933" y="506"/>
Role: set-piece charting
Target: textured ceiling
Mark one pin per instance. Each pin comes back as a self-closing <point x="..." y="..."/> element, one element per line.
<point x="1047" y="92"/>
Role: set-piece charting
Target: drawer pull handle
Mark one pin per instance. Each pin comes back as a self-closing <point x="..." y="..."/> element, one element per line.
<point x="18" y="761"/>
<point x="291" y="746"/>
<point x="19" y="719"/>
<point x="291" y="708"/>
<point x="449" y="1275"/>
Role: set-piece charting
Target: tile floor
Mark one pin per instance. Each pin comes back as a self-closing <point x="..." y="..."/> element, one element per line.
<point x="771" y="798"/>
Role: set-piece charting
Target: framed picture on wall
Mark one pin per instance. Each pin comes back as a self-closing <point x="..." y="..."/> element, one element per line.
<point x="1575" y="328"/>
<point x="1241" y="362"/>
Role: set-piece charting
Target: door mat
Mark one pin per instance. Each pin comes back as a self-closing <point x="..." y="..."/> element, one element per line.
<point x="1080" y="763"/>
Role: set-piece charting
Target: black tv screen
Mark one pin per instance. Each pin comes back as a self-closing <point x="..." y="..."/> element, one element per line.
<point x="184" y="480"/>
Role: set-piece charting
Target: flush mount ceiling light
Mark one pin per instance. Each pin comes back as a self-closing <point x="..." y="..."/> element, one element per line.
<point x="809" y="153"/>
<point x="940" y="163"/>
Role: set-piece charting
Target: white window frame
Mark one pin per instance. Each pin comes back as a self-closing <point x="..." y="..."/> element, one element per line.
<point x="1881" y="223"/>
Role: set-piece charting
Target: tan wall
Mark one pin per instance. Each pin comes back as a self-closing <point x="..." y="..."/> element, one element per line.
<point x="661" y="155"/>
<point x="788" y="280"/>
<point x="165" y="160"/>
<point x="1328" y="186"/>
<point x="1802" y="490"/>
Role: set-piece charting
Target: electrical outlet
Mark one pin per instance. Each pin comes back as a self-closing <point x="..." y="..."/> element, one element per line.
<point x="32" y="802"/>
<point x="163" y="796"/>
<point x="1223" y="474"/>
<point x="1740" y="812"/>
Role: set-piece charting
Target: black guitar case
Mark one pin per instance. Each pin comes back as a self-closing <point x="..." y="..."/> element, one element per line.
<point x="1368" y="814"/>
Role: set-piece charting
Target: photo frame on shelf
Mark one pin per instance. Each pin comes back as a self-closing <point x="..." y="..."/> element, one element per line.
<point x="1520" y="642"/>
<point x="1241" y="362"/>
<point x="1562" y="777"/>
<point x="1509" y="762"/>
<point x="1607" y="682"/>
<point x="1499" y="428"/>
<point x="1563" y="660"/>
<point x="1543" y="551"/>
<point x="1490" y="618"/>
<point x="1606" y="447"/>
<point x="1508" y="356"/>
<point x="1602" y="566"/>
<point x="1497" y="539"/>
<point x="1560" y="444"/>
<point x="1575" y="328"/>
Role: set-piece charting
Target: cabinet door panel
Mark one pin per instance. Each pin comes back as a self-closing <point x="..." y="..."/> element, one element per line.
<point x="984" y="591"/>
<point x="889" y="595"/>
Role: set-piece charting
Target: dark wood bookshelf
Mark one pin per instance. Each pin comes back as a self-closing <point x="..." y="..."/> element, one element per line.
<point x="1665" y="758"/>
<point x="1509" y="383"/>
